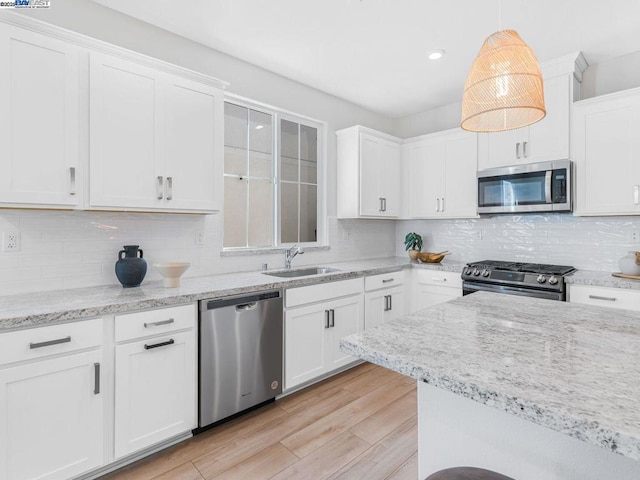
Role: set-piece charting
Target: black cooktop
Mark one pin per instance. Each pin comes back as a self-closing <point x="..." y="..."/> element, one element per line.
<point x="540" y="268"/>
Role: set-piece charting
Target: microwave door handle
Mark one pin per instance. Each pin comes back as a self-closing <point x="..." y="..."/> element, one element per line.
<point x="547" y="186"/>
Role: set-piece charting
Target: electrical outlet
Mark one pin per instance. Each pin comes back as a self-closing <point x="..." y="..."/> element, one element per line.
<point x="200" y="237"/>
<point x="11" y="241"/>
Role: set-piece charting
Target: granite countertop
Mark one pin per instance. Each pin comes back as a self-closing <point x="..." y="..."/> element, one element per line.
<point x="572" y="368"/>
<point x="601" y="279"/>
<point x="32" y="310"/>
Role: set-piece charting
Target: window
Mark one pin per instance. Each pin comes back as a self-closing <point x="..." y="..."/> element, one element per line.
<point x="271" y="178"/>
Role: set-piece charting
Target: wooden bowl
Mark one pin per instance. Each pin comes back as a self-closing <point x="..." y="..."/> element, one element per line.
<point x="427" y="257"/>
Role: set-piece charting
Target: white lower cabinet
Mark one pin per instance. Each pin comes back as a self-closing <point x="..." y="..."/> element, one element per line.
<point x="605" y="297"/>
<point x="313" y="331"/>
<point x="385" y="298"/>
<point x="52" y="408"/>
<point x="155" y="377"/>
<point x="431" y="287"/>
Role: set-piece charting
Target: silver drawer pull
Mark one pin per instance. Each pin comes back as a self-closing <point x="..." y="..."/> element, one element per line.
<point x="96" y="384"/>
<point x="387" y="280"/>
<point x="161" y="344"/>
<point x="160" y="194"/>
<point x="48" y="343"/>
<point x="169" y="195"/>
<point x="598" y="297"/>
<point x="72" y="180"/>
<point x="439" y="279"/>
<point x="157" y="324"/>
<point x="326" y="319"/>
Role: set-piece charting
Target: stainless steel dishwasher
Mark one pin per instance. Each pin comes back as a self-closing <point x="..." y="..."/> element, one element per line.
<point x="240" y="354"/>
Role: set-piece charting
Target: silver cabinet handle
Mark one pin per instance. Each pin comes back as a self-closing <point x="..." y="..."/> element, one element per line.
<point x="384" y="204"/>
<point x="636" y="194"/>
<point x="598" y="297"/>
<point x="442" y="204"/>
<point x="159" y="188"/>
<point x="380" y="200"/>
<point x="48" y="343"/>
<point x="387" y="303"/>
<point x="169" y="195"/>
<point x="157" y="324"/>
<point x="437" y="204"/>
<point x="390" y="302"/>
<point x="387" y="280"/>
<point x="72" y="180"/>
<point x="326" y="319"/>
<point x="524" y="149"/>
<point x="332" y="313"/>
<point x="161" y="344"/>
<point x="518" y="150"/>
<point x="96" y="378"/>
<point x="439" y="279"/>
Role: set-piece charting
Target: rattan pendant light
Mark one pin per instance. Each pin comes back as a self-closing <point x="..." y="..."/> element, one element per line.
<point x="504" y="88"/>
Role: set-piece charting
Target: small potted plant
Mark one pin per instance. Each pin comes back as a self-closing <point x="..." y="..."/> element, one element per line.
<point x="413" y="244"/>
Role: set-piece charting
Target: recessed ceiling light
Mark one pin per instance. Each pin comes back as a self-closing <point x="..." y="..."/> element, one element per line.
<point x="259" y="127"/>
<point x="436" y="54"/>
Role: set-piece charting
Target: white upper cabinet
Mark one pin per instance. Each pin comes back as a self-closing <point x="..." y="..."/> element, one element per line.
<point x="440" y="175"/>
<point x="368" y="174"/>
<point x="547" y="139"/>
<point x="39" y="133"/>
<point x="606" y="153"/>
<point x="155" y="139"/>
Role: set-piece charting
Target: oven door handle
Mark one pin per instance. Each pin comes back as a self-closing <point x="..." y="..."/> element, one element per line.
<point x="469" y="287"/>
<point x="547" y="186"/>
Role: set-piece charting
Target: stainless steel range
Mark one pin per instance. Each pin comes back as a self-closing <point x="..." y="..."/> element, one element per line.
<point x="527" y="279"/>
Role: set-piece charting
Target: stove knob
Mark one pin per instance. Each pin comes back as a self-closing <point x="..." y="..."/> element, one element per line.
<point x="467" y="271"/>
<point x="485" y="273"/>
<point x="476" y="272"/>
<point x="541" y="278"/>
<point x="553" y="280"/>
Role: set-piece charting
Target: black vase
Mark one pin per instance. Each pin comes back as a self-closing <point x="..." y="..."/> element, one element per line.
<point x="131" y="269"/>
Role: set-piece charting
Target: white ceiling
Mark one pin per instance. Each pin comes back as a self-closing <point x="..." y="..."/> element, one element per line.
<point x="373" y="52"/>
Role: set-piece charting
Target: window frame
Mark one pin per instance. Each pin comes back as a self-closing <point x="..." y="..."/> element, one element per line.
<point x="277" y="115"/>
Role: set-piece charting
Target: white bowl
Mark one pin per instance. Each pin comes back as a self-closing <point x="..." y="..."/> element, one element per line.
<point x="171" y="272"/>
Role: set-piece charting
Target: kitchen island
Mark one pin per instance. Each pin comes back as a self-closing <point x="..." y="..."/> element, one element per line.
<point x="534" y="389"/>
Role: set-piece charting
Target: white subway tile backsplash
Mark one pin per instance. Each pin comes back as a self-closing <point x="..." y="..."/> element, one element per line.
<point x="79" y="249"/>
<point x="594" y="243"/>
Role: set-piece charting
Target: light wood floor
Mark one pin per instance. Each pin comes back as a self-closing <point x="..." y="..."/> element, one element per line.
<point x="360" y="424"/>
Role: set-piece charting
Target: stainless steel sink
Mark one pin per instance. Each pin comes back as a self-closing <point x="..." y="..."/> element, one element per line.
<point x="301" y="272"/>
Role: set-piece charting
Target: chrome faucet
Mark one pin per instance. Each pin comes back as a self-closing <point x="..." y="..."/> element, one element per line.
<point x="289" y="255"/>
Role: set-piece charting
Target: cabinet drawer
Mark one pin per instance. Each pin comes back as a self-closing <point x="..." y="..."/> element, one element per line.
<point x="385" y="280"/>
<point x="154" y="322"/>
<point x="436" y="277"/>
<point x="605" y="297"/>
<point x="322" y="292"/>
<point x="51" y="340"/>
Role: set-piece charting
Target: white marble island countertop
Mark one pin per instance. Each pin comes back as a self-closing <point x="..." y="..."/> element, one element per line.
<point x="572" y="368"/>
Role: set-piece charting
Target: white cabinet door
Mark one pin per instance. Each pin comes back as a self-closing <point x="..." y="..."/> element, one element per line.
<point x="606" y="148"/>
<point x="155" y="390"/>
<point x="440" y="175"/>
<point x="383" y="306"/>
<point x="346" y="318"/>
<point x="548" y="139"/>
<point x="304" y="343"/>
<point x="545" y="140"/>
<point x="428" y="296"/>
<point x="124" y="134"/>
<point x="51" y="418"/>
<point x="192" y="121"/>
<point x="369" y="174"/>
<point x="424" y="178"/>
<point x="379" y="177"/>
<point x="39" y="132"/>
<point x="460" y="198"/>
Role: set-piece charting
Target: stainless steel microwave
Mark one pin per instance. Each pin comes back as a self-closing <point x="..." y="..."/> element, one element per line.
<point x="534" y="187"/>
